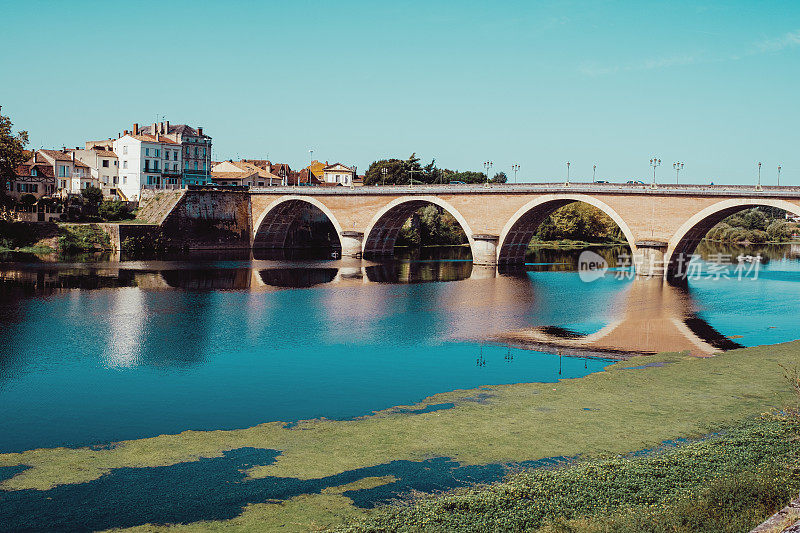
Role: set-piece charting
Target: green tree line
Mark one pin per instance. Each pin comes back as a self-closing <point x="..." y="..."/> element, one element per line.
<point x="407" y="171"/>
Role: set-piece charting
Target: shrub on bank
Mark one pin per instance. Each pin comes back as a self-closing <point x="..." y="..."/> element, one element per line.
<point x="82" y="238"/>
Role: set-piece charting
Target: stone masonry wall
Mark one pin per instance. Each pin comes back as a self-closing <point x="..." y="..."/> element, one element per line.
<point x="205" y="220"/>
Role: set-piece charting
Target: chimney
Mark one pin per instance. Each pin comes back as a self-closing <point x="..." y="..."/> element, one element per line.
<point x="155" y="129"/>
<point x="119" y="135"/>
<point x="72" y="156"/>
<point x="135" y="128"/>
<point x="200" y="131"/>
<point x="160" y="127"/>
<point x="166" y="127"/>
<point x="126" y="132"/>
<point x="158" y="136"/>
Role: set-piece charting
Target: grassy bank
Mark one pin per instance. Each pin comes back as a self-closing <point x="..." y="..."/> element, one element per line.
<point x="727" y="482"/>
<point x="612" y="412"/>
<point x="77" y="238"/>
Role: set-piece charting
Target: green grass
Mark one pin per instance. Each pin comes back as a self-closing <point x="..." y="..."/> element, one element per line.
<point x="37" y="249"/>
<point x="628" y="410"/>
<point x="728" y="482"/>
<point x="76" y="238"/>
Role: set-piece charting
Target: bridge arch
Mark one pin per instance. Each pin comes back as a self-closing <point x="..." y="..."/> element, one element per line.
<point x="520" y="228"/>
<point x="382" y="231"/>
<point x="272" y="227"/>
<point x="689" y="235"/>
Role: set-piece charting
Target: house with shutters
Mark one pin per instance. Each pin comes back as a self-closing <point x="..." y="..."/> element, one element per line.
<point x="339" y="174"/>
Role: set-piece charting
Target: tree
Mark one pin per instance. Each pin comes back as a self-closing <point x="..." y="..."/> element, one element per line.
<point x="12" y="152"/>
<point x="92" y="196"/>
<point x="500" y="177"/>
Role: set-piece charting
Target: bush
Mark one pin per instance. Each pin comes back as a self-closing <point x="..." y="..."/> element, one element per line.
<point x="782" y="231"/>
<point x="82" y="238"/>
<point x="114" y="210"/>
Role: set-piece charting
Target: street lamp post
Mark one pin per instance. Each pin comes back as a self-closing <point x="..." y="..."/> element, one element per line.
<point x="567" y="183"/>
<point x="758" y="186"/>
<point x="678" y="166"/>
<point x="384" y="171"/>
<point x="655" y="163"/>
<point x="515" y="168"/>
<point x="779" y="175"/>
<point x="488" y="166"/>
<point x="594" y="173"/>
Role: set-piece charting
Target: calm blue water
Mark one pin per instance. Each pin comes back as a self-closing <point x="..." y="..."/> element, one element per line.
<point x="99" y="353"/>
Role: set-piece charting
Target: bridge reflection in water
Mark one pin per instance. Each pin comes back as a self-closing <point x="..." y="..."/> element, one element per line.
<point x="653" y="316"/>
<point x="641" y="316"/>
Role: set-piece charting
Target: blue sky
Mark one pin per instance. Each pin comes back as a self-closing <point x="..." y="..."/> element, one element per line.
<point x="714" y="84"/>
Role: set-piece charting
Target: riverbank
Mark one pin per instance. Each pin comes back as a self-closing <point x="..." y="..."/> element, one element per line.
<point x="630" y="406"/>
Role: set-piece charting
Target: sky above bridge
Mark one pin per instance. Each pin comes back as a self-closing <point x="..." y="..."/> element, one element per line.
<point x="713" y="84"/>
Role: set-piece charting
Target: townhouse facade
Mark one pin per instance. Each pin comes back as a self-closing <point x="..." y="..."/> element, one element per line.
<point x="103" y="166"/>
<point x="146" y="162"/>
<point x="195" y="147"/>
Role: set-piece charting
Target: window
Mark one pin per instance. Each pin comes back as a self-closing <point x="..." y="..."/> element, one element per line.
<point x="33" y="171"/>
<point x="116" y="180"/>
<point x="105" y="163"/>
<point x="155" y="165"/>
<point x="124" y="179"/>
<point x="146" y="165"/>
<point x="147" y="151"/>
<point x="62" y="171"/>
<point x="116" y="163"/>
<point x="157" y="152"/>
<point x="195" y="165"/>
<point x="195" y="151"/>
<point x="175" y="155"/>
<point x="124" y="150"/>
<point x="125" y="164"/>
<point x="186" y="165"/>
<point x="204" y="152"/>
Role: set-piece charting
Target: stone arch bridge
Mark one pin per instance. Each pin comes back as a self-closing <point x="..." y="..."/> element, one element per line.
<point x="662" y="225"/>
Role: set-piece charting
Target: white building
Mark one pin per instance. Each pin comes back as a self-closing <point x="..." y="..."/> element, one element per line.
<point x="338" y="174"/>
<point x="147" y="162"/>
<point x="103" y="165"/>
<point x="72" y="176"/>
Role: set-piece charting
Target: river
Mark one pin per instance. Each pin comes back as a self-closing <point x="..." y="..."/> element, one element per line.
<point x="92" y="353"/>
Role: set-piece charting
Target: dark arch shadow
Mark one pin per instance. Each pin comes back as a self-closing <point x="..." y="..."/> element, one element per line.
<point x="297" y="225"/>
<point x="515" y="245"/>
<point x="382" y="237"/>
<point x="692" y="239"/>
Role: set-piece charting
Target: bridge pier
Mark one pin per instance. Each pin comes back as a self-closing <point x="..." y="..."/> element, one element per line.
<point x="351" y="243"/>
<point x="484" y="249"/>
<point x="648" y="258"/>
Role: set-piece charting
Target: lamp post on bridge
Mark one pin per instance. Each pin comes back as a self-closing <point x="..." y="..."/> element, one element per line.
<point x="594" y="173"/>
<point x="384" y="171"/>
<point x="758" y="186"/>
<point x="488" y="166"/>
<point x="655" y="163"/>
<point x="779" y="175"/>
<point x="567" y="183"/>
<point x="515" y="168"/>
<point x="678" y="166"/>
